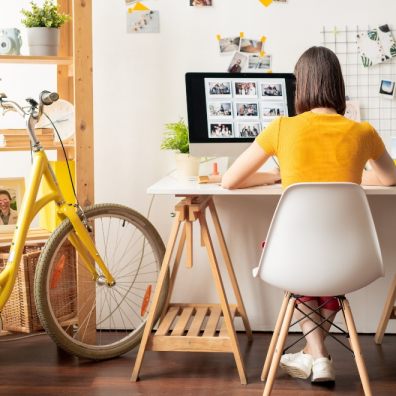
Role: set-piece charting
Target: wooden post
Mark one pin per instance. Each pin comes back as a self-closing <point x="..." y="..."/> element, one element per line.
<point x="83" y="103"/>
<point x="83" y="100"/>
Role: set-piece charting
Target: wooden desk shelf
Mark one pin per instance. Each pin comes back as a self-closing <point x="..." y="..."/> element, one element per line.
<point x="193" y="328"/>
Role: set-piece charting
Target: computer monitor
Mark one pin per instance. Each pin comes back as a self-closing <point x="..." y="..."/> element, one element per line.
<point x="226" y="111"/>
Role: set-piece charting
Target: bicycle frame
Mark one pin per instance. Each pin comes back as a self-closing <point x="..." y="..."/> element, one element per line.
<point x="31" y="205"/>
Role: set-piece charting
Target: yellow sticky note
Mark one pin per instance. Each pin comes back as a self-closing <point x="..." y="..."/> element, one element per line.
<point x="266" y="2"/>
<point x="241" y="35"/>
<point x="218" y="37"/>
<point x="262" y="53"/>
<point x="263" y="39"/>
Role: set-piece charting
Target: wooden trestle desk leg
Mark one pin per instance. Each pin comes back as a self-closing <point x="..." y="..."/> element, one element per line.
<point x="161" y="279"/>
<point x="389" y="312"/>
<point x="179" y="338"/>
<point x="230" y="269"/>
<point x="223" y="299"/>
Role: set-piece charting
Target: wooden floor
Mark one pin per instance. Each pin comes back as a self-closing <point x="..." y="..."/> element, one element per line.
<point x="34" y="366"/>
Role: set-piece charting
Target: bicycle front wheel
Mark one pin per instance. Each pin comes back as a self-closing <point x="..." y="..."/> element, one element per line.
<point x="87" y="317"/>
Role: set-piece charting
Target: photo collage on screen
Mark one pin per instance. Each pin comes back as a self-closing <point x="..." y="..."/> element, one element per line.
<point x="242" y="107"/>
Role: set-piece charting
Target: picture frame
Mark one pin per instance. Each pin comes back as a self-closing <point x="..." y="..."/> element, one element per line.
<point x="10" y="203"/>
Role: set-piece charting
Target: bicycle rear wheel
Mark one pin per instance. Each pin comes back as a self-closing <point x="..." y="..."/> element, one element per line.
<point x="100" y="322"/>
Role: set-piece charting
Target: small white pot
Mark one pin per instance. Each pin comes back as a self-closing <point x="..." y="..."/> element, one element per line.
<point x="187" y="166"/>
<point x="43" y="41"/>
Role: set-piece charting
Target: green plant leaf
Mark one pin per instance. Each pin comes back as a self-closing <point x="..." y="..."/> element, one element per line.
<point x="176" y="137"/>
<point x="46" y="16"/>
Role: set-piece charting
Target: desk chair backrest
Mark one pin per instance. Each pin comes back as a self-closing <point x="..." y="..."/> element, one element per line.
<point x="322" y="241"/>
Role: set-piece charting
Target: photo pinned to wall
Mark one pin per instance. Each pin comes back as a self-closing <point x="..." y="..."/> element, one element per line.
<point x="238" y="63"/>
<point x="248" y="129"/>
<point x="229" y="44"/>
<point x="219" y="88"/>
<point x="221" y="130"/>
<point x="260" y="63"/>
<point x="11" y="194"/>
<point x="387" y="89"/>
<point x="251" y="46"/>
<point x="376" y="45"/>
<point x="220" y="109"/>
<point x="201" y="3"/>
<point x="246" y="89"/>
<point x="141" y="19"/>
<point x="246" y="109"/>
<point x="352" y="110"/>
<point x="271" y="90"/>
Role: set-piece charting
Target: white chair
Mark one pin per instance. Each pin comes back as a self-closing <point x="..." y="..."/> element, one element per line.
<point x="321" y="242"/>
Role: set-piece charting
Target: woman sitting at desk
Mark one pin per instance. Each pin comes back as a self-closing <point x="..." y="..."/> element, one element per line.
<point x="317" y="145"/>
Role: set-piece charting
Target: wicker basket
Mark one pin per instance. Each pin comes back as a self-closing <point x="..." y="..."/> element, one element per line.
<point x="19" y="313"/>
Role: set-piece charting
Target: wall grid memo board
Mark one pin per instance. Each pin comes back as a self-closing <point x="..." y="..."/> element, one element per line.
<point x="363" y="83"/>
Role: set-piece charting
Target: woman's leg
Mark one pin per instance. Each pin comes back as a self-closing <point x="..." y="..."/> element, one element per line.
<point x="315" y="339"/>
<point x="315" y="357"/>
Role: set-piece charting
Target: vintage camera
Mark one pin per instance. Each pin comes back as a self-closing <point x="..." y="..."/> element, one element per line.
<point x="10" y="41"/>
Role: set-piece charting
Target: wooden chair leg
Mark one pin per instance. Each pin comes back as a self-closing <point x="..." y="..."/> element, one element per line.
<point x="350" y="324"/>
<point x="386" y="313"/>
<point x="279" y="347"/>
<point x="275" y="337"/>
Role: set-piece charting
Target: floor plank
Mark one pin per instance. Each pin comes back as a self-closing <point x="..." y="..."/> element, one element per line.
<point x="34" y="366"/>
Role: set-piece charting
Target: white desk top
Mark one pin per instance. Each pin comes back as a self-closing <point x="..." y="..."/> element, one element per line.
<point x="169" y="185"/>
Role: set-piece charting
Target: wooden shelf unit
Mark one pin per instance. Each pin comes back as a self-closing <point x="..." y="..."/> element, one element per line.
<point x="74" y="83"/>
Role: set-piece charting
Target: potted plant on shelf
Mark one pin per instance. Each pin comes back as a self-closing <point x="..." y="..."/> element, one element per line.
<point x="43" y="25"/>
<point x="176" y="139"/>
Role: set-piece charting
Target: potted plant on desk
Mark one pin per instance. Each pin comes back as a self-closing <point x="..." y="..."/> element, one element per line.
<point x="176" y="139"/>
<point x="43" y="25"/>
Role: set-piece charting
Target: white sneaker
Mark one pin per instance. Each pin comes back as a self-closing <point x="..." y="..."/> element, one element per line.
<point x="323" y="370"/>
<point x="297" y="365"/>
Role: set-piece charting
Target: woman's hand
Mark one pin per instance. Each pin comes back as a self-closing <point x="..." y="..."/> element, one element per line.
<point x="275" y="172"/>
<point x="243" y="172"/>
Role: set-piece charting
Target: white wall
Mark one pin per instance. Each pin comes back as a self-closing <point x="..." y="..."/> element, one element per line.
<point x="139" y="86"/>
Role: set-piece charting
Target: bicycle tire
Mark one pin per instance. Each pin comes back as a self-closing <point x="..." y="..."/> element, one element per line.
<point x="119" y="325"/>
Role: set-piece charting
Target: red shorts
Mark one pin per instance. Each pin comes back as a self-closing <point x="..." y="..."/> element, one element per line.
<point x="330" y="303"/>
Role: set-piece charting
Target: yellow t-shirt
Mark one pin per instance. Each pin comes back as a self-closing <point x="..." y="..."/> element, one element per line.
<point x="315" y="147"/>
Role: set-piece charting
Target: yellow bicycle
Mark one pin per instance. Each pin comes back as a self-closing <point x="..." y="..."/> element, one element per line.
<point x="103" y="261"/>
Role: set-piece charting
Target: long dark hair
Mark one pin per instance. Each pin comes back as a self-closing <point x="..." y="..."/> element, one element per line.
<point x="319" y="81"/>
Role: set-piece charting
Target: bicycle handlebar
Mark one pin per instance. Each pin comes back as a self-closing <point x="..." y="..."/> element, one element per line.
<point x="34" y="111"/>
<point x="47" y="98"/>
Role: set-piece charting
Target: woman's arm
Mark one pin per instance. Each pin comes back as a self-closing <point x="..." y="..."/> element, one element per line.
<point x="383" y="172"/>
<point x="243" y="172"/>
